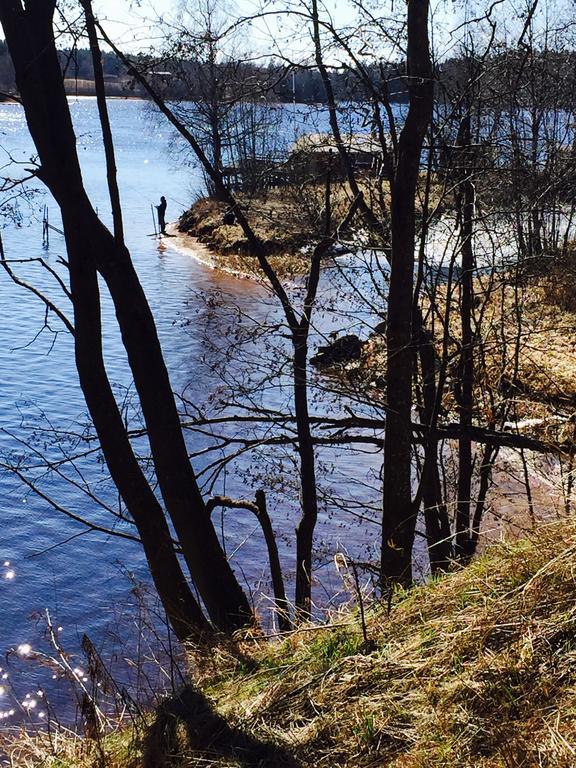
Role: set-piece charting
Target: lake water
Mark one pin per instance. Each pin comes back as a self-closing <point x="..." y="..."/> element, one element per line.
<point x="48" y="561"/>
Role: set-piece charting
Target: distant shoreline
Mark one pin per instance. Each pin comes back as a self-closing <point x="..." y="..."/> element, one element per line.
<point x="15" y="99"/>
<point x="113" y="88"/>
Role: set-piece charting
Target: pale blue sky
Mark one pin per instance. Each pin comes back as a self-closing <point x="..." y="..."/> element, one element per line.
<point x="130" y="23"/>
<point x="133" y="23"/>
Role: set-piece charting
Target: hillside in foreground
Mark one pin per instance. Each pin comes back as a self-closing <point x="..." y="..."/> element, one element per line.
<point x="475" y="669"/>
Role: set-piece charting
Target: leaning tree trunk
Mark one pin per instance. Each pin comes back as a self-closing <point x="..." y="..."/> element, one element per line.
<point x="299" y="332"/>
<point x="182" y="610"/>
<point x="399" y="518"/>
<point x="30" y="39"/>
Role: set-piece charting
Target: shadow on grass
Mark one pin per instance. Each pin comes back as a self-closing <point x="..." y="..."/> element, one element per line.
<point x="207" y="736"/>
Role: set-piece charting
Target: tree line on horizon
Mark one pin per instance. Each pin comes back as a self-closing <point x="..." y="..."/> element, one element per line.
<point x="302" y="84"/>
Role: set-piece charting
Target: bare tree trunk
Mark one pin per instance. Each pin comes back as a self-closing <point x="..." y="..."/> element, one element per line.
<point x="299" y="326"/>
<point x="399" y="519"/>
<point x="216" y="144"/>
<point x="436" y="519"/>
<point x="182" y="610"/>
<point x="309" y="501"/>
<point x="113" y="190"/>
<point x="260" y="509"/>
<point x="489" y="455"/>
<point x="30" y="38"/>
<point x="374" y="224"/>
<point x="466" y="365"/>
<point x="282" y="606"/>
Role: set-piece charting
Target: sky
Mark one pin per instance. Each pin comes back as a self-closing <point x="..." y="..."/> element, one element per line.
<point x="134" y="24"/>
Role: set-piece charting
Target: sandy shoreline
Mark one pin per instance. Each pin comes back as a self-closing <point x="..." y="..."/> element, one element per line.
<point x="191" y="246"/>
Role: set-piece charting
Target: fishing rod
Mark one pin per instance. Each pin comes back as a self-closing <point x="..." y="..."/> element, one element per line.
<point x="153" y="222"/>
<point x="156" y="232"/>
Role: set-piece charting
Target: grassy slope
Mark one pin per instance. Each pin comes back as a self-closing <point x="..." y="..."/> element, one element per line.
<point x="476" y="669"/>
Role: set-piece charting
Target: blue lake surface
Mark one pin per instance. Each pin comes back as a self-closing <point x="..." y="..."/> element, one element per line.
<point x="83" y="581"/>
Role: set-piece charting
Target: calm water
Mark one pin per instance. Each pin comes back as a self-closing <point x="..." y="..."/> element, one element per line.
<point x="47" y="561"/>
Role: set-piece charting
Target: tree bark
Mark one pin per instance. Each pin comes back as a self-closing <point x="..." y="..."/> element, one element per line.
<point x="184" y="613"/>
<point x="466" y="364"/>
<point x="259" y="508"/>
<point x="436" y="519"/>
<point x="309" y="500"/>
<point x="299" y="330"/>
<point x="111" y="174"/>
<point x="399" y="519"/>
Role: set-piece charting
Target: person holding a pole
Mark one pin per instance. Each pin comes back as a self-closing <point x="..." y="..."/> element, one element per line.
<point x="161" y="209"/>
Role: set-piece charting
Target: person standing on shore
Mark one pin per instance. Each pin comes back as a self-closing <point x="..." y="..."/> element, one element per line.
<point x="162" y="215"/>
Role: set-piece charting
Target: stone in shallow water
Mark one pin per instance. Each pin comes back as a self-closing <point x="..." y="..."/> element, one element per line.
<point x="341" y="350"/>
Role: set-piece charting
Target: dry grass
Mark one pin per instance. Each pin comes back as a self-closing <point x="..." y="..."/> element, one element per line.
<point x="62" y="748"/>
<point x="282" y="226"/>
<point x="475" y="670"/>
<point x="526" y="353"/>
<point x="290" y="221"/>
<point x="546" y="330"/>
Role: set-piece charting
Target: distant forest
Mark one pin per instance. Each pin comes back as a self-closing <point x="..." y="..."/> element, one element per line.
<point x="303" y="84"/>
<point x="305" y="87"/>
